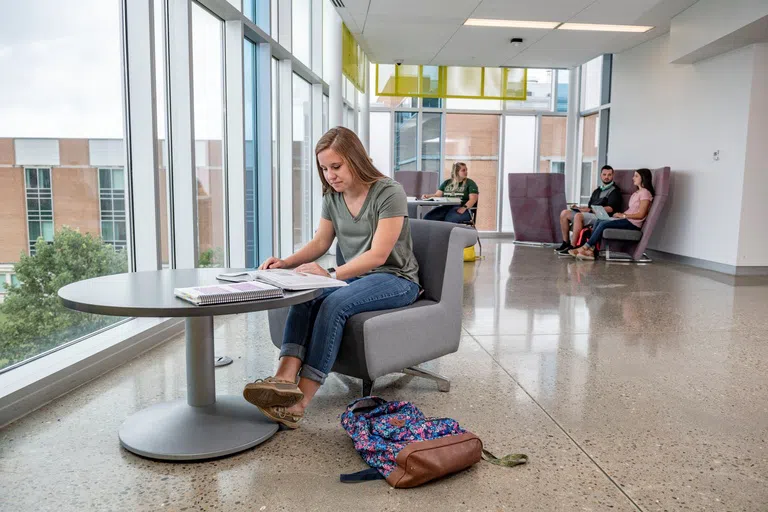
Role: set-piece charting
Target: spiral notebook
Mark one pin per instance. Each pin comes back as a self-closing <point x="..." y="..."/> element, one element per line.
<point x="224" y="293"/>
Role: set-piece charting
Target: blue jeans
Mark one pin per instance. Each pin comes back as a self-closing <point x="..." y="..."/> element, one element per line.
<point x="602" y="225"/>
<point x="314" y="329"/>
<point x="448" y="213"/>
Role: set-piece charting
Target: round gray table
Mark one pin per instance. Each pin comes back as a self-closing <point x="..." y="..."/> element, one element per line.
<point x="205" y="425"/>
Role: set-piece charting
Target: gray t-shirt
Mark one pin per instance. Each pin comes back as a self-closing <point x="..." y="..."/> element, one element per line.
<point x="385" y="199"/>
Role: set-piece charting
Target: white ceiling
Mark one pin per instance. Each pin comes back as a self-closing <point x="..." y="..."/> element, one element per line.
<point x="433" y="31"/>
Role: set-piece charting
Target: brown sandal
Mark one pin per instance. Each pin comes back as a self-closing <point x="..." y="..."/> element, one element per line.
<point x="272" y="392"/>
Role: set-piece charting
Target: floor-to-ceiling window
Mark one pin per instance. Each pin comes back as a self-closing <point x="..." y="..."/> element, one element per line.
<point x="302" y="162"/>
<point x="553" y="133"/>
<point x="208" y="87"/>
<point x="589" y="146"/>
<point x="250" y="67"/>
<point x="301" y="30"/>
<point x="63" y="214"/>
<point x="431" y="140"/>
<point x="65" y="94"/>
<point x="381" y="141"/>
<point x="594" y="108"/>
<point x="519" y="154"/>
<point x="431" y="134"/>
<point x="406" y="140"/>
<point x="474" y="140"/>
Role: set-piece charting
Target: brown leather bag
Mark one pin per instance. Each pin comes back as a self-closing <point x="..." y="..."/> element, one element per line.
<point x="408" y="449"/>
<point x="418" y="463"/>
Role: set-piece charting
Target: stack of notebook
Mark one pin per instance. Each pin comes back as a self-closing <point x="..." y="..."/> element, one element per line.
<point x="223" y="293"/>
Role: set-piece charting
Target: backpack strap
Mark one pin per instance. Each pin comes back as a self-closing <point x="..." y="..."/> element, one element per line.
<point x="509" y="461"/>
<point x="365" y="475"/>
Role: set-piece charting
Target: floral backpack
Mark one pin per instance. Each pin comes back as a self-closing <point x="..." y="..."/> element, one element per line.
<point x="408" y="449"/>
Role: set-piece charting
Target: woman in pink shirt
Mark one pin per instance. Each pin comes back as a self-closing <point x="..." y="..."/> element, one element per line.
<point x="633" y="218"/>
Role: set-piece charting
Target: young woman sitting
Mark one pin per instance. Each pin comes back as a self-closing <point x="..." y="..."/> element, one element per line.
<point x="459" y="186"/>
<point x="368" y="215"/>
<point x="633" y="218"/>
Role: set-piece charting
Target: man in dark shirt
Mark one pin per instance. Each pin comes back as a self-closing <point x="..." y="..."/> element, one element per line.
<point x="606" y="195"/>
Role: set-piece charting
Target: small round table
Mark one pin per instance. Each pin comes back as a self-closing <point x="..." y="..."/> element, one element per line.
<point x="203" y="426"/>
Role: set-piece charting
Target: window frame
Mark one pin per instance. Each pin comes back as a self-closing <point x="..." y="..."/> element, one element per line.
<point x="444" y="110"/>
<point x="40" y="194"/>
<point x="140" y="108"/>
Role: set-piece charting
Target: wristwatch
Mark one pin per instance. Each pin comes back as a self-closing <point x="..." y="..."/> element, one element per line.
<point x="331" y="272"/>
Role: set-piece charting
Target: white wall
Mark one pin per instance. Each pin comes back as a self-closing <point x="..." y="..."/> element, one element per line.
<point x="700" y="26"/>
<point x="753" y="235"/>
<point x="678" y="115"/>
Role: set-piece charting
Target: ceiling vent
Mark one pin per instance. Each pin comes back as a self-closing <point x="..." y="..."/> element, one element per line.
<point x="338" y="3"/>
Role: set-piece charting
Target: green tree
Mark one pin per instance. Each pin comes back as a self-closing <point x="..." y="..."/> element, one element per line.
<point x="211" y="258"/>
<point x="32" y="317"/>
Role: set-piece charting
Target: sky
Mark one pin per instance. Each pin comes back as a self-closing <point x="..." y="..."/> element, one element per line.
<point x="61" y="70"/>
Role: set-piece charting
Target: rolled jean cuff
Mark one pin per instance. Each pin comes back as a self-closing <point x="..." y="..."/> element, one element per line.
<point x="293" y="350"/>
<point x="312" y="374"/>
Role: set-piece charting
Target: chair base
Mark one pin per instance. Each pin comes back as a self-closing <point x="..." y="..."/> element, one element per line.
<point x="443" y="384"/>
<point x="367" y="387"/>
<point x="623" y="257"/>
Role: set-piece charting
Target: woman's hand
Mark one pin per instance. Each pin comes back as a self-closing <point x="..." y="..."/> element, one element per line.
<point x="425" y="196"/>
<point x="461" y="210"/>
<point x="312" y="268"/>
<point x="621" y="215"/>
<point x="273" y="262"/>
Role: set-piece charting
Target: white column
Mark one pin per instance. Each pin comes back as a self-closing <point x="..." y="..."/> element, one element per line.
<point x="235" y="157"/>
<point x="365" y="110"/>
<point x="572" y="136"/>
<point x="335" y="82"/>
<point x="141" y="135"/>
<point x="181" y="136"/>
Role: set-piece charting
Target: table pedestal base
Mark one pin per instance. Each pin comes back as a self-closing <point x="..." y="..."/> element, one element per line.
<point x="177" y="431"/>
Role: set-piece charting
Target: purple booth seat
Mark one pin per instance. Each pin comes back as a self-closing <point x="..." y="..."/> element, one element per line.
<point x="635" y="242"/>
<point x="536" y="201"/>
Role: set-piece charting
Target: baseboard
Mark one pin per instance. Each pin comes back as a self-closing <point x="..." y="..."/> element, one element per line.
<point x="33" y="385"/>
<point x="495" y="234"/>
<point x="722" y="268"/>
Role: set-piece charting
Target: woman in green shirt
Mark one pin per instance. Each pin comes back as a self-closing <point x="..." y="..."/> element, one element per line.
<point x="367" y="214"/>
<point x="460" y="187"/>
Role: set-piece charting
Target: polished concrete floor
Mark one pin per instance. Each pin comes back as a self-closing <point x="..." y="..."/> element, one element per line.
<point x="630" y="388"/>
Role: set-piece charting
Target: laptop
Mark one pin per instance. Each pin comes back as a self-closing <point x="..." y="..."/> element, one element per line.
<point x="601" y="213"/>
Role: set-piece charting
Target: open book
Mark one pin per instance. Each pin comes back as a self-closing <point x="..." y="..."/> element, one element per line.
<point x="284" y="279"/>
<point x="223" y="293"/>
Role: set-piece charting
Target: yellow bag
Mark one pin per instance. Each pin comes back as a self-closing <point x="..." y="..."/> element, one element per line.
<point x="469" y="253"/>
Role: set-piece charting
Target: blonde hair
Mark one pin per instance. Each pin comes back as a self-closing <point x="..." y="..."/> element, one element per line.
<point x="455" y="171"/>
<point x="344" y="142"/>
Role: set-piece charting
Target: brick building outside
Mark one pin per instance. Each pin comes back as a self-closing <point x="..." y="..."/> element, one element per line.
<point x="46" y="184"/>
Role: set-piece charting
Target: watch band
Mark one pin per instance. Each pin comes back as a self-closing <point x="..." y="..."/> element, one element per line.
<point x="331" y="272"/>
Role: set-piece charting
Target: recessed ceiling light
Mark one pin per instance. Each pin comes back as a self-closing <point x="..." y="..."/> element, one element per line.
<point x="483" y="22"/>
<point x="604" y="28"/>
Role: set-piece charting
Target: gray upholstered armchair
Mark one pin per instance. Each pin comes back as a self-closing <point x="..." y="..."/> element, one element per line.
<point x="390" y="341"/>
